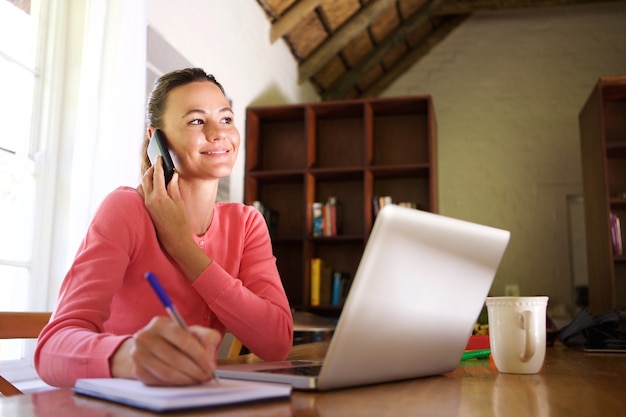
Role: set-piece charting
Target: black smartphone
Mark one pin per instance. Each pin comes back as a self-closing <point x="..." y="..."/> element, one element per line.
<point x="158" y="146"/>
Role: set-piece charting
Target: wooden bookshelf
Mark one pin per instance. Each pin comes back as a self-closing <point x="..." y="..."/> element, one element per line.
<point x="352" y="150"/>
<point x="603" y="149"/>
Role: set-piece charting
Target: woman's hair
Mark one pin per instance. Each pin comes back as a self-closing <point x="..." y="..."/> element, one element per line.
<point x="158" y="100"/>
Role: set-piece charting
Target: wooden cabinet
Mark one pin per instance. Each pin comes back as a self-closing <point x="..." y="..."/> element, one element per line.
<point x="603" y="151"/>
<point x="351" y="150"/>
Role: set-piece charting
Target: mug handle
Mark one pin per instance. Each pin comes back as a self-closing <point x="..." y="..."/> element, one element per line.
<point x="525" y="320"/>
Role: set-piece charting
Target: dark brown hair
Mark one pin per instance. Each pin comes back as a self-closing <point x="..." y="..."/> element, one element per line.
<point x="158" y="100"/>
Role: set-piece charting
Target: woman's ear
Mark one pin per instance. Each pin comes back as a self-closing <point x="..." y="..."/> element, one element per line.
<point x="150" y="131"/>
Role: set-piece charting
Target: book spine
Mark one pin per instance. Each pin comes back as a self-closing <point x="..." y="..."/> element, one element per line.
<point x="325" y="285"/>
<point x="316" y="279"/>
<point x="335" y="216"/>
<point x="616" y="234"/>
<point x="375" y="205"/>
<point x="345" y="287"/>
<point x="318" y="219"/>
<point x="336" y="288"/>
<point x="332" y="217"/>
<point x="385" y="201"/>
<point x="326" y="221"/>
<point x="270" y="215"/>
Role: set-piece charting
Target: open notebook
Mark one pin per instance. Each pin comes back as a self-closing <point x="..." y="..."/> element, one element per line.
<point x="417" y="293"/>
<point x="211" y="394"/>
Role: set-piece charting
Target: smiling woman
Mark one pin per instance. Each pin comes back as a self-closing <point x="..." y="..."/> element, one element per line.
<point x="214" y="259"/>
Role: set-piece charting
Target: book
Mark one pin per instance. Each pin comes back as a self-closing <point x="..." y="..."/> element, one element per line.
<point x="155" y="398"/>
<point x="340" y="287"/>
<point x="375" y="205"/>
<point x="318" y="219"/>
<point x="325" y="285"/>
<point x="270" y="215"/>
<point x="346" y="282"/>
<point x="328" y="219"/>
<point x="336" y="288"/>
<point x="616" y="234"/>
<point x="380" y="201"/>
<point x="331" y="221"/>
<point x="316" y="281"/>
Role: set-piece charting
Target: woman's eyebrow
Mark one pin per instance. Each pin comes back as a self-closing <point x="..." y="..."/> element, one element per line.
<point x="201" y="111"/>
<point x="192" y="111"/>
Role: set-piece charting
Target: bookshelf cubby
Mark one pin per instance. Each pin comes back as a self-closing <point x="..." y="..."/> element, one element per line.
<point x="352" y="150"/>
<point x="603" y="150"/>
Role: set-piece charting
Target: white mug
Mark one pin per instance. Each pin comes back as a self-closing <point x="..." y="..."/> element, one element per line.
<point x="517" y="333"/>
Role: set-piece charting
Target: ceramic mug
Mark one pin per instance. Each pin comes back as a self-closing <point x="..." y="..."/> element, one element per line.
<point x="517" y="333"/>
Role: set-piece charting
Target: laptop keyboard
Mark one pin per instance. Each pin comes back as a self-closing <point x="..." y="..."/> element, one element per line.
<point x="309" y="370"/>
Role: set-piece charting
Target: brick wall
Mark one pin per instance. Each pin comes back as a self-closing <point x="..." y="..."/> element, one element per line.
<point x="507" y="88"/>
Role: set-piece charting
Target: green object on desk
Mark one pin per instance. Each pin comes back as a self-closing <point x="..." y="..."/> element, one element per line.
<point x="476" y="354"/>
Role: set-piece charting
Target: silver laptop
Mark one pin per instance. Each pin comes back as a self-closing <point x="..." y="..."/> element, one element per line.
<point x="416" y="295"/>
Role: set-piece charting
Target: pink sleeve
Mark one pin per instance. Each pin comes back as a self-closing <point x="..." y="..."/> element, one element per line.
<point x="253" y="307"/>
<point x="75" y="344"/>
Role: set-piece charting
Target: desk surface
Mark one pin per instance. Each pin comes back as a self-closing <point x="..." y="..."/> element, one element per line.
<point x="571" y="383"/>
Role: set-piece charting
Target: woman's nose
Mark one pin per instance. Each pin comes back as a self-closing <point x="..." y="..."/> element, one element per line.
<point x="213" y="131"/>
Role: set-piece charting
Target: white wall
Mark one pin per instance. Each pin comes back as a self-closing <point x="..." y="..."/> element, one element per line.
<point x="507" y="89"/>
<point x="230" y="39"/>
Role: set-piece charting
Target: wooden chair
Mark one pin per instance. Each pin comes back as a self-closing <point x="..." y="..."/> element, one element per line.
<point x="28" y="325"/>
<point x="231" y="347"/>
<point x="235" y="348"/>
<point x="19" y="325"/>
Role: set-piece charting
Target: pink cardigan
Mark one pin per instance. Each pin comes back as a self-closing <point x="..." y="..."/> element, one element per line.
<point x="105" y="298"/>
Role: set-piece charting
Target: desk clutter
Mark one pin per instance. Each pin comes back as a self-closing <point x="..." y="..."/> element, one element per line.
<point x="586" y="331"/>
<point x="595" y="332"/>
<point x="555" y="392"/>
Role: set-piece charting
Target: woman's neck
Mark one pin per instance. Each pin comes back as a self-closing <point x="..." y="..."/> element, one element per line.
<point x="199" y="198"/>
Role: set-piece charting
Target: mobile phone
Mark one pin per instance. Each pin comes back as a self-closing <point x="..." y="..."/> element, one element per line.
<point x="158" y="146"/>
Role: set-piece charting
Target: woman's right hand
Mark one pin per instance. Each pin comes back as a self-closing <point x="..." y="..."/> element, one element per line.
<point x="166" y="207"/>
<point x="163" y="353"/>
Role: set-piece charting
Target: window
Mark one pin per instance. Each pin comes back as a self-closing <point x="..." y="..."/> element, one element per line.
<point x="19" y="101"/>
<point x="70" y="70"/>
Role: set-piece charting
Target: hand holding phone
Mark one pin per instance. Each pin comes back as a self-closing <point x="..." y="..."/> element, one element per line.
<point x="158" y="146"/>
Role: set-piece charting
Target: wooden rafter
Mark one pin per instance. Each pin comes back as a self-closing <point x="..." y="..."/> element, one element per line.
<point x="411" y="58"/>
<point x="374" y="58"/>
<point x="473" y="6"/>
<point x="303" y="23"/>
<point x="291" y="18"/>
<point x="314" y="62"/>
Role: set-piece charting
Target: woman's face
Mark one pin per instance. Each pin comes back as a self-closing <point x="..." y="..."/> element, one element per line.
<point x="200" y="129"/>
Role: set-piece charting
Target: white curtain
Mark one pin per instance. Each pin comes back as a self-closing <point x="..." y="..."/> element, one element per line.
<point x="101" y="116"/>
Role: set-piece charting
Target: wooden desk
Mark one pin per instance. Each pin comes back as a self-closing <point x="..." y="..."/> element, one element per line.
<point x="572" y="383"/>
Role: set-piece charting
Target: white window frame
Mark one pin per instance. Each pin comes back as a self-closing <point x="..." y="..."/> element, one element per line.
<point x="41" y="160"/>
<point x="91" y="58"/>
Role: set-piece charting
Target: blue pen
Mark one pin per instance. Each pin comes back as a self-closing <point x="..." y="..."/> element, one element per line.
<point x="169" y="306"/>
<point x="165" y="299"/>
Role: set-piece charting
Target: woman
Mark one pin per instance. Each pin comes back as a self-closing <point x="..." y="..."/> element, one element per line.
<point x="213" y="259"/>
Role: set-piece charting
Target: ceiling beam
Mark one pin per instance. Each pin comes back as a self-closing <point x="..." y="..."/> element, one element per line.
<point x="345" y="83"/>
<point x="417" y="53"/>
<point x="291" y="18"/>
<point x="471" y="6"/>
<point x="342" y="37"/>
